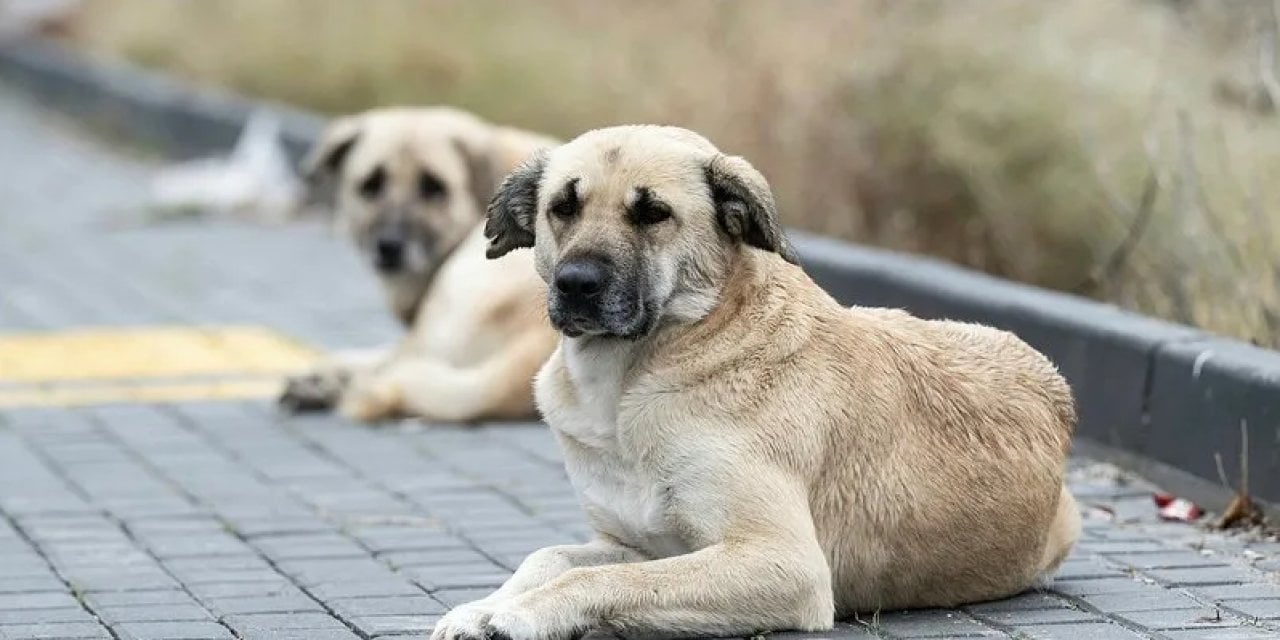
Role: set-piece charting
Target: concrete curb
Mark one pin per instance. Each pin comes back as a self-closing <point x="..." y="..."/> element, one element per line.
<point x="156" y="111"/>
<point x="1161" y="397"/>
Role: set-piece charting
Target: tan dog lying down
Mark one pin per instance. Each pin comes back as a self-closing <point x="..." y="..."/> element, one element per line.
<point x="410" y="185"/>
<point x="752" y="455"/>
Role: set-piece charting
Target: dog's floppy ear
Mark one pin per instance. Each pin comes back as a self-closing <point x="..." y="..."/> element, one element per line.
<point x="509" y="225"/>
<point x="324" y="161"/>
<point x="744" y="205"/>
<point x="482" y="174"/>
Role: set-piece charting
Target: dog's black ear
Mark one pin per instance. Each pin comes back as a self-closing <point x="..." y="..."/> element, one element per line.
<point x="324" y="162"/>
<point x="509" y="225"/>
<point x="744" y="205"/>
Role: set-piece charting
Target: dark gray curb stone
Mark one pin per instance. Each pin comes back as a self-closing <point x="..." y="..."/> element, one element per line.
<point x="1153" y="394"/>
<point x="154" y="110"/>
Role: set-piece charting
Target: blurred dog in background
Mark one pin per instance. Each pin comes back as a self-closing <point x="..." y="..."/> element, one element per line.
<point x="410" y="186"/>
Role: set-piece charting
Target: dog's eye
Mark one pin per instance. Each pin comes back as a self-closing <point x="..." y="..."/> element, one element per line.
<point x="429" y="186"/>
<point x="648" y="210"/>
<point x="567" y="204"/>
<point x="371" y="186"/>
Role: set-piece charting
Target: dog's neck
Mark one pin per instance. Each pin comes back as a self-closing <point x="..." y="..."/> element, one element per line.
<point x="407" y="292"/>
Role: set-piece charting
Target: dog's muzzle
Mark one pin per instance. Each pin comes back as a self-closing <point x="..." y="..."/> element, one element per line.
<point x="388" y="253"/>
<point x="589" y="297"/>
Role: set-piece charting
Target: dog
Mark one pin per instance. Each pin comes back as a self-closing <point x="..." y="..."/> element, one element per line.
<point x="410" y="187"/>
<point x="752" y="455"/>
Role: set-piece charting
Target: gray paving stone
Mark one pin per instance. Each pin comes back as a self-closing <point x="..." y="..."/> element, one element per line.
<point x="1097" y="586"/>
<point x="394" y="625"/>
<point x="928" y="623"/>
<point x="151" y="613"/>
<point x="263" y="604"/>
<point x="236" y="563"/>
<point x="275" y="587"/>
<point x="54" y="631"/>
<point x="136" y="598"/>
<point x="1252" y="591"/>
<point x="260" y="621"/>
<point x="20" y="601"/>
<point x="1086" y="568"/>
<point x="298" y="634"/>
<point x="1198" y="577"/>
<point x="30" y="585"/>
<point x="1201" y="618"/>
<point x="365" y="589"/>
<point x="349" y="608"/>
<point x="1141" y="601"/>
<point x="435" y="558"/>
<point x="1122" y="546"/>
<point x="37" y="616"/>
<point x="456" y="577"/>
<point x="1227" y="633"/>
<point x="308" y="572"/>
<point x="171" y="631"/>
<point x="1262" y="609"/>
<point x="215" y="575"/>
<point x="200" y="524"/>
<point x="266" y="527"/>
<point x="220" y="544"/>
<point x="841" y="631"/>
<point x="1167" y="560"/>
<point x="455" y="597"/>
<point x="119" y="582"/>
<point x="1038" y="617"/>
<point x="315" y="546"/>
<point x="1089" y="631"/>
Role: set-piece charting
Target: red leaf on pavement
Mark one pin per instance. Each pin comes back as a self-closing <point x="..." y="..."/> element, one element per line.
<point x="1173" y="508"/>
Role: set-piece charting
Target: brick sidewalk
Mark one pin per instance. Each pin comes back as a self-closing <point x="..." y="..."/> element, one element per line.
<point x="221" y="519"/>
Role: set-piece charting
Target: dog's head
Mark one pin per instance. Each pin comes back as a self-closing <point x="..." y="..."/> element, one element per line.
<point x="407" y="183"/>
<point x="633" y="226"/>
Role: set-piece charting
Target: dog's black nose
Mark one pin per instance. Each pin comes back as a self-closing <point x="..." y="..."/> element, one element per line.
<point x="581" y="278"/>
<point x="389" y="253"/>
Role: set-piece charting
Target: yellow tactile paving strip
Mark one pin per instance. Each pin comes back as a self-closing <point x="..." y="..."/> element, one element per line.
<point x="149" y="364"/>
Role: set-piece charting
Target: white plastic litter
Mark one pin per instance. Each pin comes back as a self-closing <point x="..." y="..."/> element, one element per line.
<point x="21" y="17"/>
<point x="256" y="180"/>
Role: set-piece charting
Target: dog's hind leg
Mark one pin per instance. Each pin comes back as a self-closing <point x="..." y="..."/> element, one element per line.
<point x="432" y="389"/>
<point x="1062" y="533"/>
<point x="322" y="387"/>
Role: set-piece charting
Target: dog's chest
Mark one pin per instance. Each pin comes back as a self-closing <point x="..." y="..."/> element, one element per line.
<point x="624" y="497"/>
<point x="626" y="502"/>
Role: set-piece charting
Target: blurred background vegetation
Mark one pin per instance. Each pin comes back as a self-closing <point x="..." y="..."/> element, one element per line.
<point x="1122" y="149"/>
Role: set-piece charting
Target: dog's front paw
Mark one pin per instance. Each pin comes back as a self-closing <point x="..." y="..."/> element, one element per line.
<point x="316" y="391"/>
<point x="515" y="622"/>
<point x="467" y="622"/>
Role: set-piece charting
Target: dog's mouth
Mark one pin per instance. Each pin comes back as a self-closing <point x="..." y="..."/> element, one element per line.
<point x="630" y="323"/>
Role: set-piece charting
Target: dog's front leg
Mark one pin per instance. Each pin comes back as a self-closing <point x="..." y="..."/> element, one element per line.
<point x="539" y="568"/>
<point x="728" y="589"/>
<point x="733" y="588"/>
<point x="761" y="568"/>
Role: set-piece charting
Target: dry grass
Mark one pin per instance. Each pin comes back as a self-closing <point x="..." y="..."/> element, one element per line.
<point x="1127" y="149"/>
